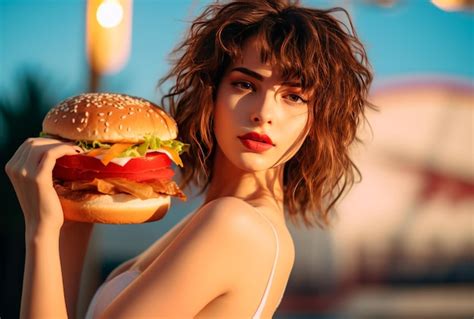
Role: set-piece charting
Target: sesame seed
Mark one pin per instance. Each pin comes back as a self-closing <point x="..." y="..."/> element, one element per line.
<point x="64" y="116"/>
<point x="73" y="120"/>
<point x="110" y="113"/>
<point x="78" y="129"/>
<point x="101" y="114"/>
<point x="82" y="120"/>
<point x="106" y="129"/>
<point x="131" y="113"/>
<point x="123" y="117"/>
<point x="87" y="114"/>
<point x="148" y="115"/>
<point x="56" y="121"/>
<point x="102" y="120"/>
<point x="120" y="126"/>
<point x="95" y="132"/>
<point x="107" y="124"/>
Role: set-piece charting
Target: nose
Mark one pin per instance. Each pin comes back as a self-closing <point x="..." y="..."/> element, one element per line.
<point x="263" y="110"/>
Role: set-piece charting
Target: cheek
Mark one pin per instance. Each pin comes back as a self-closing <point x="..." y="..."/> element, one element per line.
<point x="224" y="121"/>
<point x="294" y="137"/>
<point x="221" y="116"/>
<point x="228" y="114"/>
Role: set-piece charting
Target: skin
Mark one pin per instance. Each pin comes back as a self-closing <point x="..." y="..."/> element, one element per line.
<point x="251" y="97"/>
<point x="215" y="262"/>
<point x="48" y="238"/>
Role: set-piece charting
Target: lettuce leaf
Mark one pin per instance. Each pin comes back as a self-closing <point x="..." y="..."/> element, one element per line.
<point x="154" y="143"/>
<point x="90" y="145"/>
<point x="151" y="143"/>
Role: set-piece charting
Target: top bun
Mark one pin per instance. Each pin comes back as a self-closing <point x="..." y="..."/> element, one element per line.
<point x="109" y="117"/>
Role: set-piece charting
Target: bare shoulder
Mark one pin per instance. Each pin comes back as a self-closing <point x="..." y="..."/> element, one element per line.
<point x="240" y="219"/>
<point x="224" y="247"/>
<point x="239" y="225"/>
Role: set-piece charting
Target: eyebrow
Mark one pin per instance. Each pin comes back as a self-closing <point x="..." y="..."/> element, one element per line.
<point x="260" y="77"/>
<point x="248" y="72"/>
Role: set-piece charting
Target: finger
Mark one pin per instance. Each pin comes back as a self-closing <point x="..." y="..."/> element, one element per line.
<point x="27" y="161"/>
<point x="14" y="165"/>
<point x="20" y="156"/>
<point x="46" y="160"/>
<point x="42" y="145"/>
<point x="44" y="141"/>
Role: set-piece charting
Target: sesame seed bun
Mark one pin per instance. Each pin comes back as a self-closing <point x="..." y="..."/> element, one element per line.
<point x="115" y="209"/>
<point x="109" y="118"/>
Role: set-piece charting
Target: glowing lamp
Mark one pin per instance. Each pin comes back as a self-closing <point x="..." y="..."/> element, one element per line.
<point x="108" y="34"/>
<point x="454" y="5"/>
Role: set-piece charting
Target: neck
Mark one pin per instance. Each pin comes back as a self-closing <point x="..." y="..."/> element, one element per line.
<point x="263" y="188"/>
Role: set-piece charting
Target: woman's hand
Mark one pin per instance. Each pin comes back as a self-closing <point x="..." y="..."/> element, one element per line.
<point x="31" y="172"/>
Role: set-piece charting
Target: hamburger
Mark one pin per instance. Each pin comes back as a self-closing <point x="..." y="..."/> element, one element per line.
<point x="124" y="175"/>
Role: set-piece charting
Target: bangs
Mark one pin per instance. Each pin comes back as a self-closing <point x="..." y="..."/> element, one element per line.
<point x="286" y="43"/>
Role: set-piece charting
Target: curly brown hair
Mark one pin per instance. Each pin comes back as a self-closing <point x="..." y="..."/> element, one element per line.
<point x="307" y="44"/>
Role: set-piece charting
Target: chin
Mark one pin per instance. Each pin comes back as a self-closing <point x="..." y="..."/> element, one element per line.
<point x="252" y="162"/>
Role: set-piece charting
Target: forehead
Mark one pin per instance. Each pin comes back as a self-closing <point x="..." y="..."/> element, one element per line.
<point x="251" y="59"/>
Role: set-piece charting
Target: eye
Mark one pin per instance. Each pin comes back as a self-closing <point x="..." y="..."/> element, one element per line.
<point x="243" y="85"/>
<point x="295" y="98"/>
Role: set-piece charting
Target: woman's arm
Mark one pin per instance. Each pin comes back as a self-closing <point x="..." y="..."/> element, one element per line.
<point x="30" y="172"/>
<point x="43" y="294"/>
<point x="73" y="243"/>
<point x="148" y="255"/>
<point x="224" y="244"/>
<point x="50" y="259"/>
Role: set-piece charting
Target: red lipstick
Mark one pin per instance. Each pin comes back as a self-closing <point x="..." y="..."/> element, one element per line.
<point x="256" y="142"/>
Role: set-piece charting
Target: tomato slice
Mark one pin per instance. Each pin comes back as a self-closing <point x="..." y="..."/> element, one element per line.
<point x="75" y="174"/>
<point x="78" y="167"/>
<point x="154" y="160"/>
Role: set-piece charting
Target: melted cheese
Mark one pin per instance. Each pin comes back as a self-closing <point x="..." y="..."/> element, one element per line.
<point x="122" y="161"/>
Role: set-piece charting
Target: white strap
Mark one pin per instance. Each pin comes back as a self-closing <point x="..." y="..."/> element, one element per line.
<point x="259" y="311"/>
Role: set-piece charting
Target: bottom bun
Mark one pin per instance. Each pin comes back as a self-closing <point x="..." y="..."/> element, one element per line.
<point x="115" y="209"/>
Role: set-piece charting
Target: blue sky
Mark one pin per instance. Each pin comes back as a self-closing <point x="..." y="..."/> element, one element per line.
<point x="414" y="38"/>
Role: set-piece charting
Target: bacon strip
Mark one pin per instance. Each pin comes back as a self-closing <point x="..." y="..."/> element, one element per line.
<point x="142" y="190"/>
<point x="168" y="188"/>
<point x="101" y="185"/>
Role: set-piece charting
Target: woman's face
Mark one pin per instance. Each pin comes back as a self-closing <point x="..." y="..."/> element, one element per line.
<point x="252" y="98"/>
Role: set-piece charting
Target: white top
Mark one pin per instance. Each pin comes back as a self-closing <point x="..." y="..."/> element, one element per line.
<point x="109" y="290"/>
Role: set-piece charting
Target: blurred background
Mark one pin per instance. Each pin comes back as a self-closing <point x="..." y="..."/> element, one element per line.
<point x="402" y="245"/>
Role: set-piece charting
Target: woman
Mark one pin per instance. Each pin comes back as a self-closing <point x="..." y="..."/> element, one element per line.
<point x="296" y="79"/>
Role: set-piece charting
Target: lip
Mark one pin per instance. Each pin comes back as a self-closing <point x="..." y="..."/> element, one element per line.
<point x="256" y="142"/>
<point x="262" y="138"/>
